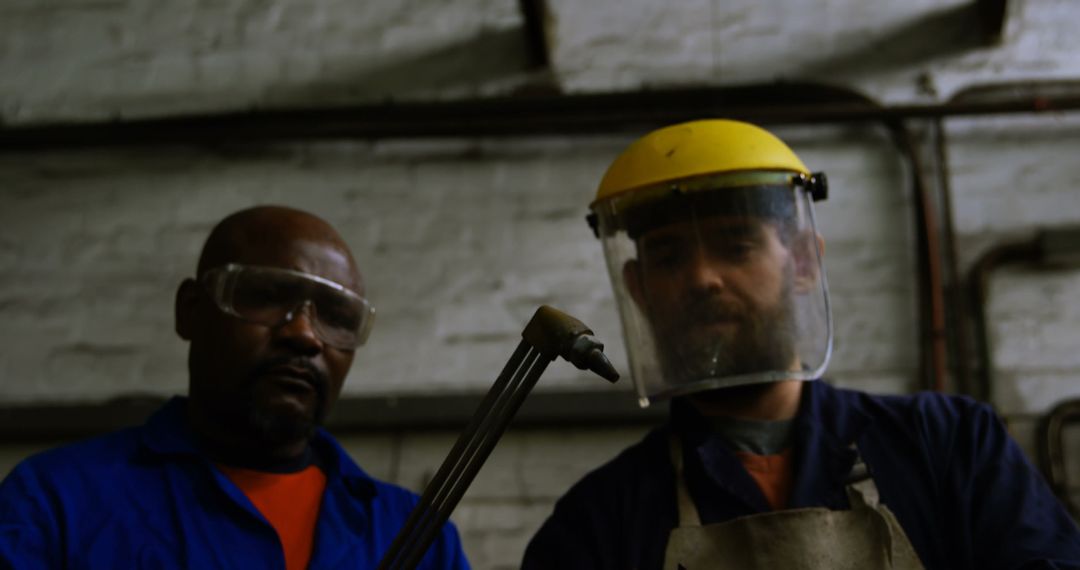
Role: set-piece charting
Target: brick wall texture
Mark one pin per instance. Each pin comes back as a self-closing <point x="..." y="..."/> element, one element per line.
<point x="461" y="239"/>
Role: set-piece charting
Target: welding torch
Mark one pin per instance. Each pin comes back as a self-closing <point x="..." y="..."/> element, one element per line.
<point x="550" y="333"/>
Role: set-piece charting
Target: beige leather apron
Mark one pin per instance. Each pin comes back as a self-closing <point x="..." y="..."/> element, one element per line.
<point x="866" y="537"/>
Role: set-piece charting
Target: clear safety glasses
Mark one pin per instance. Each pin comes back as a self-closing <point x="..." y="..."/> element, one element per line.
<point x="272" y="297"/>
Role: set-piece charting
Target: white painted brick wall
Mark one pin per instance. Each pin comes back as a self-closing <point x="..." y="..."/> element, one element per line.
<point x="1010" y="177"/>
<point x="894" y="51"/>
<point x="451" y="236"/>
<point x="460" y="242"/>
<point x="63" y="59"/>
<point x="95" y="243"/>
<point x="462" y="239"/>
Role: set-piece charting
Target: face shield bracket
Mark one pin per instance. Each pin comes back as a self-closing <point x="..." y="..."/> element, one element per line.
<point x="817" y="185"/>
<point x="594" y="223"/>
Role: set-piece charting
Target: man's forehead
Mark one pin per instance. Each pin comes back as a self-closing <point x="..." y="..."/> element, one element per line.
<point x="721" y="226"/>
<point x="281" y="238"/>
<point x="323" y="259"/>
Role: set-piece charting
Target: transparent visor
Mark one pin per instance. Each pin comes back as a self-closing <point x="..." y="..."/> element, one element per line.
<point x="719" y="282"/>
<point x="272" y="297"/>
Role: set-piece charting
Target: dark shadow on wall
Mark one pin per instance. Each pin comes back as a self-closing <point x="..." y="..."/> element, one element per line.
<point x="491" y="57"/>
<point x="952" y="31"/>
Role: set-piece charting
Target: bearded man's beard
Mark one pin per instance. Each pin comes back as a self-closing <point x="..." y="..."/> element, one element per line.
<point x="758" y="342"/>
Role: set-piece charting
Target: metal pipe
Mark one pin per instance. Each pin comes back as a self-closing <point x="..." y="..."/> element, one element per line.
<point x="1051" y="248"/>
<point x="51" y="423"/>
<point x="1004" y="91"/>
<point x="978" y="290"/>
<point x="1051" y="450"/>
<point x="970" y="354"/>
<point x="512" y="116"/>
<point x="954" y="287"/>
<point x="932" y="304"/>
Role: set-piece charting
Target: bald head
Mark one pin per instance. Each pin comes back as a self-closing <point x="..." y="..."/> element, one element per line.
<point x="257" y="235"/>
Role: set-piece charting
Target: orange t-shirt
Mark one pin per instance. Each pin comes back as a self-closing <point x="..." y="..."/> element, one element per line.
<point x="773" y="474"/>
<point x="290" y="502"/>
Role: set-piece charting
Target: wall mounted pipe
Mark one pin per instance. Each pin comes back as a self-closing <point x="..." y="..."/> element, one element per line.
<point x="1051" y="450"/>
<point x="49" y="423"/>
<point x="1050" y="248"/>
<point x="780" y="103"/>
<point x="933" y="362"/>
<point x="1010" y="253"/>
<point x="953" y="279"/>
<point x="958" y="313"/>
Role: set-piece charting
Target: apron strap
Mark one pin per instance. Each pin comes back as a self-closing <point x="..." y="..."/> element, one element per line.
<point x="861" y="489"/>
<point x="688" y="513"/>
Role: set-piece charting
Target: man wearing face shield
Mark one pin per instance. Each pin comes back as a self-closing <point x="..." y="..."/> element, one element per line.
<point x="709" y="236"/>
<point x="238" y="474"/>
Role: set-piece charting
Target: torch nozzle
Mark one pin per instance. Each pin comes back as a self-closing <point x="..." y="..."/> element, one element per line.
<point x="587" y="353"/>
<point x="555" y="333"/>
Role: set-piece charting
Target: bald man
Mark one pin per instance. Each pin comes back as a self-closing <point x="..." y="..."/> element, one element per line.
<point x="238" y="474"/>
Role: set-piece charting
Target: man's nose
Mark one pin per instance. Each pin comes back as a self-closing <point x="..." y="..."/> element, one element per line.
<point x="298" y="330"/>
<point x="704" y="272"/>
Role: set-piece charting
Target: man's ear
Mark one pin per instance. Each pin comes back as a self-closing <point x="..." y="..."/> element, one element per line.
<point x="807" y="261"/>
<point x="187" y="305"/>
<point x="631" y="274"/>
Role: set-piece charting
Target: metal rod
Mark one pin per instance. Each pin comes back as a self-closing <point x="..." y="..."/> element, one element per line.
<point x="549" y="334"/>
<point x="510" y="116"/>
<point x="464" y="440"/>
<point x="421" y="535"/>
<point x="978" y="291"/>
<point x="55" y="422"/>
<point x="490" y="438"/>
<point x="494" y="418"/>
<point x="1051" y="447"/>
<point x="512" y="366"/>
<point x="932" y="303"/>
<point x="1050" y="248"/>
<point x="954" y="286"/>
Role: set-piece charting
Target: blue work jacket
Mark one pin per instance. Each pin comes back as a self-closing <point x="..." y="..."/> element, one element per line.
<point x="958" y="484"/>
<point x="146" y="497"/>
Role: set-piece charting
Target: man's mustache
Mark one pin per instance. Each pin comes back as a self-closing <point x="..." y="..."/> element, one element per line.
<point x="705" y="309"/>
<point x="317" y="378"/>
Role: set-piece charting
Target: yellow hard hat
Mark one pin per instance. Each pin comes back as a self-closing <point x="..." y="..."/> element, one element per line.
<point x="697" y="187"/>
<point x="696" y="148"/>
